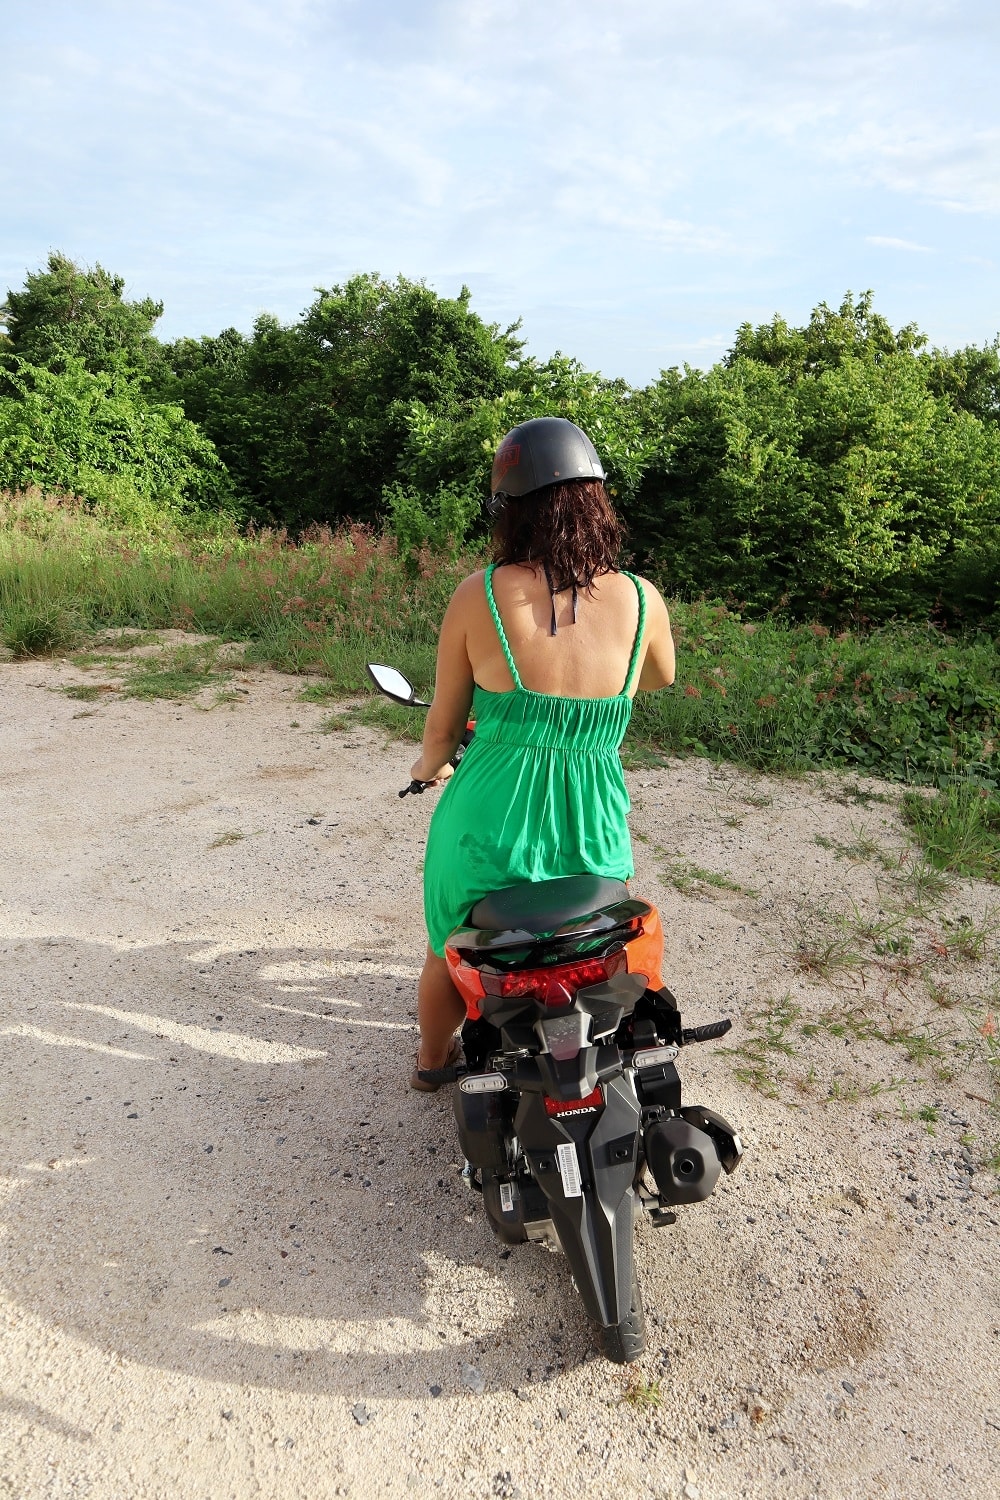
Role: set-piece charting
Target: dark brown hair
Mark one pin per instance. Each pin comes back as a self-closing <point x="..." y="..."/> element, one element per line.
<point x="571" y="528"/>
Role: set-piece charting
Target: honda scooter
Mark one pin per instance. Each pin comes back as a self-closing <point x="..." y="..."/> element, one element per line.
<point x="568" y="1103"/>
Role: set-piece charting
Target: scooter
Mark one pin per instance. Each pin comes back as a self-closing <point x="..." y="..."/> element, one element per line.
<point x="568" y="1103"/>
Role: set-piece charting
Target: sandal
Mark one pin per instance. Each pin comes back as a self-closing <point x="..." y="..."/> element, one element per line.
<point x="429" y="1080"/>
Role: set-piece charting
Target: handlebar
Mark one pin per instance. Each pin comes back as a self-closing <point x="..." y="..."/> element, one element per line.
<point x="415" y="788"/>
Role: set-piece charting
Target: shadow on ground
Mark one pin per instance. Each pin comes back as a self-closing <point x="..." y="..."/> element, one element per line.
<point x="212" y="1163"/>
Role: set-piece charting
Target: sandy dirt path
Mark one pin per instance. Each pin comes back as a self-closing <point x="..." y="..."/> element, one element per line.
<point x="236" y="1254"/>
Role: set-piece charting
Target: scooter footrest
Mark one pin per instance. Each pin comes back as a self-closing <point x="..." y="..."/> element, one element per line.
<point x="437" y="1076"/>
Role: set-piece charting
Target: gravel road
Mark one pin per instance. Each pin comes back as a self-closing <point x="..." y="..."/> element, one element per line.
<point x="236" y="1254"/>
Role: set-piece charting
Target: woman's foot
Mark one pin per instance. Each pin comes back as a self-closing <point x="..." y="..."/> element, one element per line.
<point x="429" y="1080"/>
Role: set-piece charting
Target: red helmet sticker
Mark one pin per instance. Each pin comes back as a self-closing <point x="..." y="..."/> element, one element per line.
<point x="508" y="457"/>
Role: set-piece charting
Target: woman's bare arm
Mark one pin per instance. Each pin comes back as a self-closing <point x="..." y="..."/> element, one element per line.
<point x="658" y="663"/>
<point x="453" y="688"/>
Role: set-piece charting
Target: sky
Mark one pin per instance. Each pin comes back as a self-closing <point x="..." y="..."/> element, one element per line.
<point x="632" y="178"/>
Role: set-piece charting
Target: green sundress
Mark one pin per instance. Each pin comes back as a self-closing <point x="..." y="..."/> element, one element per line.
<point x="538" y="794"/>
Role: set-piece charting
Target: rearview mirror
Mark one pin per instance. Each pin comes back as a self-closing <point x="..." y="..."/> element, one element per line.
<point x="393" y="684"/>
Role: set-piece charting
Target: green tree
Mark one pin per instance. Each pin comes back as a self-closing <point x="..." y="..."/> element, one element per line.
<point x="447" y="460"/>
<point x="854" y="331"/>
<point x="71" y="312"/>
<point x="313" y="419"/>
<point x="817" y="470"/>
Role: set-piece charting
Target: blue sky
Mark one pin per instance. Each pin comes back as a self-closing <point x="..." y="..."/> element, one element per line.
<point x="633" y="179"/>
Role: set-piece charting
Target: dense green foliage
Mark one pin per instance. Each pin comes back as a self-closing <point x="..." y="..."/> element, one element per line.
<point x="816" y="469"/>
<point x="314" y="420"/>
<point x="64" y="313"/>
<point x="93" y="435"/>
<point x="75" y="415"/>
<point x="839" y="471"/>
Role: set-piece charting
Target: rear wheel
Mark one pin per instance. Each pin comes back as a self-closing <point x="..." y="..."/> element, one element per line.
<point x="625" y="1341"/>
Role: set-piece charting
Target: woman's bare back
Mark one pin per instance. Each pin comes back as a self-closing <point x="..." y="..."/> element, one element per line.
<point x="588" y="659"/>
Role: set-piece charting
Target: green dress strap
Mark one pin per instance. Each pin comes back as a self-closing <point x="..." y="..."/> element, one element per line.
<point x="639" y="630"/>
<point x="500" y="630"/>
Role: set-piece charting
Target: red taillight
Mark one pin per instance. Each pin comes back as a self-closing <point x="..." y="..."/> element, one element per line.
<point x="567" y="1106"/>
<point x="556" y="985"/>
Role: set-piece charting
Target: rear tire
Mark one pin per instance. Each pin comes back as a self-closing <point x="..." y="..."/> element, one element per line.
<point x="625" y="1341"/>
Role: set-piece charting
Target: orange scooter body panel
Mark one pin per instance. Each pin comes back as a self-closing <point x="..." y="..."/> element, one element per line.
<point x="644" y="956"/>
<point x="645" y="953"/>
<point x="467" y="982"/>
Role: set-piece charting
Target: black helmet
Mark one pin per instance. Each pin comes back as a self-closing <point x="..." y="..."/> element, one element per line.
<point x="542" y="451"/>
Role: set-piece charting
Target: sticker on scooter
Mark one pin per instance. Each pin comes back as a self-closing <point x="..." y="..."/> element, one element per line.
<point x="506" y="1198"/>
<point x="569" y="1171"/>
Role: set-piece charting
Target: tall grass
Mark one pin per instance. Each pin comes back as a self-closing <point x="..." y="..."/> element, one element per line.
<point x="906" y="702"/>
<point x="325" y="604"/>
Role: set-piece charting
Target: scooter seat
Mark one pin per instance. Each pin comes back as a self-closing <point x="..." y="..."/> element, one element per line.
<point x="546" y="905"/>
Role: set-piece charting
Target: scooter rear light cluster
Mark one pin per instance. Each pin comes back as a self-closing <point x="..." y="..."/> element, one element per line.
<point x="555" y="985"/>
<point x="567" y="1106"/>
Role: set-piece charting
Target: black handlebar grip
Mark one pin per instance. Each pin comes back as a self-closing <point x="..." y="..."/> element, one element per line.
<point x="414" y="787"/>
<point x="709" y="1033"/>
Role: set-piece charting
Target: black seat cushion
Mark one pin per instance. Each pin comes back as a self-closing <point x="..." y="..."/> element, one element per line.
<point x="547" y="904"/>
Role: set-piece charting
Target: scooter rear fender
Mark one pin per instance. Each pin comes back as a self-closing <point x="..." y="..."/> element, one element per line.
<point x="595" y="1224"/>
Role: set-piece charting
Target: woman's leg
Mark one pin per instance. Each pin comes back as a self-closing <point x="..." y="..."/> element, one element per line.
<point x="440" y="1009"/>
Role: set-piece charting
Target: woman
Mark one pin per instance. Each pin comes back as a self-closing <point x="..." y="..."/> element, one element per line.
<point x="547" y="647"/>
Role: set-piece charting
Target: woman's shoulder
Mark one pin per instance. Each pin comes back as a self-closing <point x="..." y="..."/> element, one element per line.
<point x="654" y="599"/>
<point x="469" y="594"/>
<point x="474" y="584"/>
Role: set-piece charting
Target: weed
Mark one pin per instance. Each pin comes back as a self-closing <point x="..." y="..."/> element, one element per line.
<point x="641" y="757"/>
<point x="842" y="1093"/>
<point x="988" y="1032"/>
<point x="822" y="953"/>
<point x="969" y="939"/>
<point x="230" y="836"/>
<point x="87" y="660"/>
<point x="880" y="1086"/>
<point x="919" y="1046"/>
<point x="854" y="792"/>
<point x="38" y="629"/>
<point x="758" y="799"/>
<point x="319" y="692"/>
<point x="334" y="724"/>
<point x="644" y="1394"/>
<point x="922" y="882"/>
<point x="175" y="674"/>
<point x="692" y="879"/>
<point x="126" y="640"/>
<point x="87" y="692"/>
<point x="766" y="1033"/>
<point x="931" y="1116"/>
<point x="901" y="701"/>
<point x="958" y="828"/>
<point x="856" y="1025"/>
<point x="863" y="848"/>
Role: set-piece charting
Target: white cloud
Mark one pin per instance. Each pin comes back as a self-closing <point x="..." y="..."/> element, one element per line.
<point x="888" y="242"/>
<point x="697" y="157"/>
